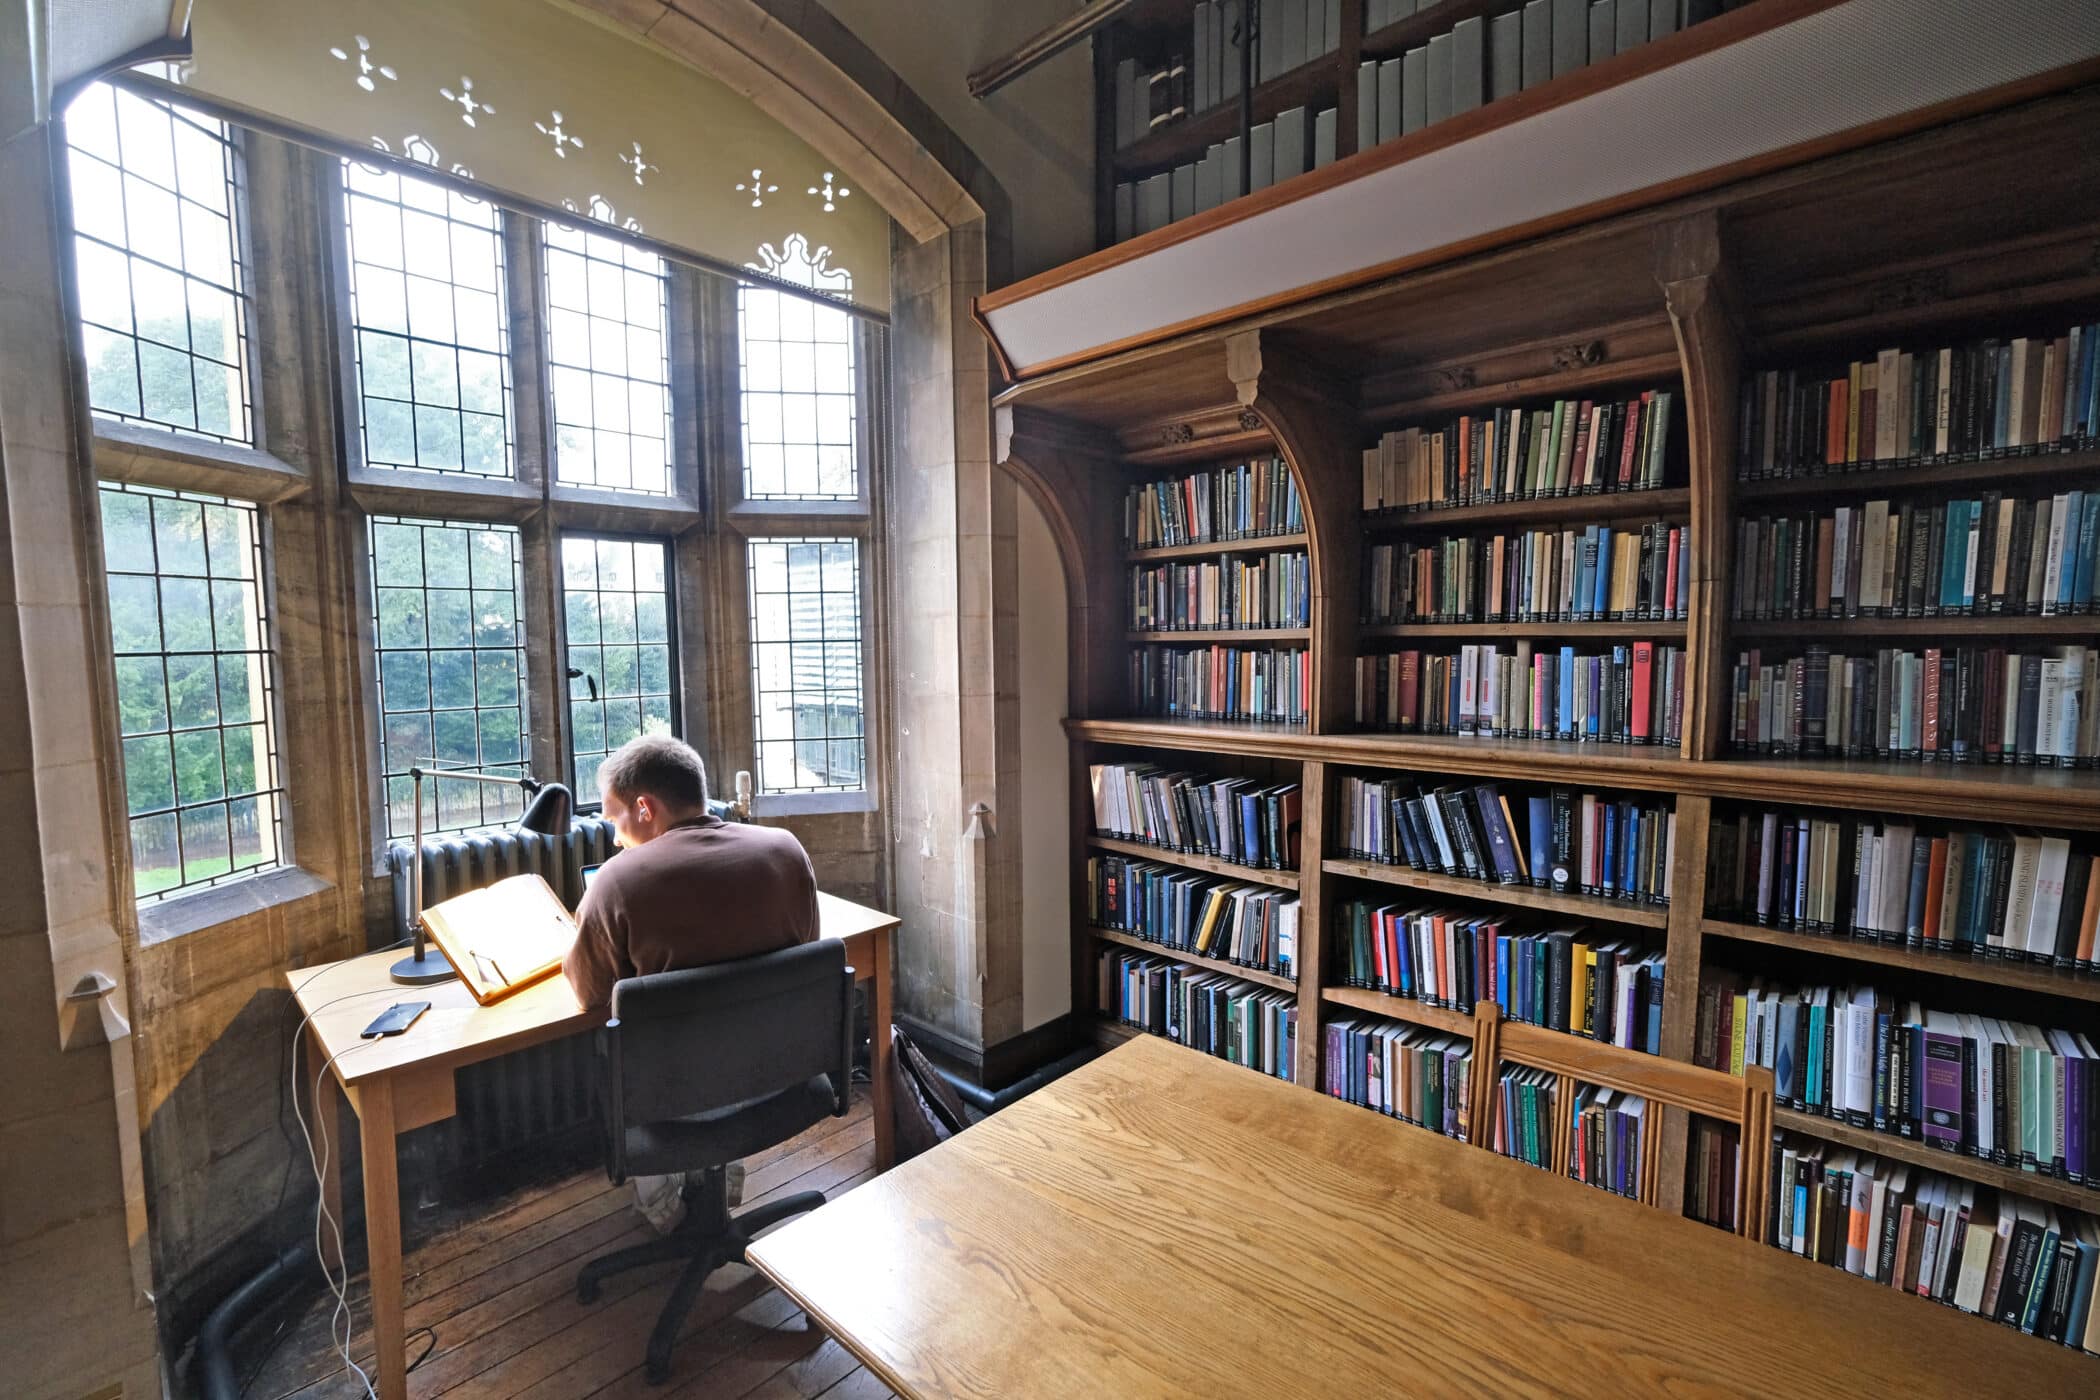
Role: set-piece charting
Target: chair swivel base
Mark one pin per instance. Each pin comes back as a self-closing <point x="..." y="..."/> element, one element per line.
<point x="708" y="1238"/>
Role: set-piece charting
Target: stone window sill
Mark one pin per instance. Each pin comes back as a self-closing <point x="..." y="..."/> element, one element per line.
<point x="805" y="804"/>
<point x="222" y="904"/>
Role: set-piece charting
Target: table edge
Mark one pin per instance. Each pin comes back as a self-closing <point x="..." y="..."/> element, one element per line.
<point x="831" y="1328"/>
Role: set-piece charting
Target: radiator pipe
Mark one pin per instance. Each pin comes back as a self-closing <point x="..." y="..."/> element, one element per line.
<point x="217" y="1380"/>
<point x="992" y="1100"/>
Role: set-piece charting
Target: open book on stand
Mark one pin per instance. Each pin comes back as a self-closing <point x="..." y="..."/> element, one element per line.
<point x="503" y="937"/>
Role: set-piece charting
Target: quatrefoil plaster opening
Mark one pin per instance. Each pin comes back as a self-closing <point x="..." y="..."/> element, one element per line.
<point x="830" y="192"/>
<point x="365" y="67"/>
<point x="467" y="102"/>
<point x="562" y="139"/>
<point x="635" y="162"/>
<point x="757" y="188"/>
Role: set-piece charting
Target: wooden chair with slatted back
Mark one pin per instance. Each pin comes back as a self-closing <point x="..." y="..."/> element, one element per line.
<point x="1745" y="1102"/>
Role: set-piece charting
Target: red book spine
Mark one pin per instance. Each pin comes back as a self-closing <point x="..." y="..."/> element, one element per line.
<point x="1580" y="468"/>
<point x="1673" y="606"/>
<point x="1840" y="416"/>
<point x="1643" y="689"/>
<point x="1630" y="440"/>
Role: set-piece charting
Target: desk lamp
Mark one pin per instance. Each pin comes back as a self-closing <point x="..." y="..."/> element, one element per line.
<point x="427" y="964"/>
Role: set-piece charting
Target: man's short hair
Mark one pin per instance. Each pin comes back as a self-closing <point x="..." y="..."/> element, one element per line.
<point x="658" y="766"/>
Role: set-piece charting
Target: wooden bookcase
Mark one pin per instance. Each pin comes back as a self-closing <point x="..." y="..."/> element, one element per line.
<point x="1938" y="234"/>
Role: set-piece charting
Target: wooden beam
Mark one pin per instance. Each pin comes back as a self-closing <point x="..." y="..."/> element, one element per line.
<point x="1080" y="24"/>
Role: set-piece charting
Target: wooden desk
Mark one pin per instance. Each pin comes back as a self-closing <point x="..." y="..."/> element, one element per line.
<point x="403" y="1082"/>
<point x="1161" y="1223"/>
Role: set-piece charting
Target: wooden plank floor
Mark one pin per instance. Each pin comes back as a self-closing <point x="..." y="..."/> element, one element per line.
<point x="498" y="1294"/>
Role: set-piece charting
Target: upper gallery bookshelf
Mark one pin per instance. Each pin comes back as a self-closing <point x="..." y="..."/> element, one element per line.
<point x="1939" y="239"/>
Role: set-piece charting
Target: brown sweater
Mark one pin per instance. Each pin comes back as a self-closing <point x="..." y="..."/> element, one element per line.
<point x="705" y="891"/>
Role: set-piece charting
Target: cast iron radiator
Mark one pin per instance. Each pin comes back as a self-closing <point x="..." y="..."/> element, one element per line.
<point x="527" y="1099"/>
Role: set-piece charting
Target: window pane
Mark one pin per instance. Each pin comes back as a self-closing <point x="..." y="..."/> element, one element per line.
<point x="798" y="406"/>
<point x="451" y="667"/>
<point x="161" y="288"/>
<point x="428" y="326"/>
<point x="806" y="664"/>
<point x="622" y="689"/>
<point x="612" y="378"/>
<point x="195" y="687"/>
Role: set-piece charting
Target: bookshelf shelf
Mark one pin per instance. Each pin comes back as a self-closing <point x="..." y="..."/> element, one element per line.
<point x="1109" y="1032"/>
<point x="1579" y="906"/>
<point x="2075" y="625"/>
<point x="1603" y="507"/>
<point x="2022" y="467"/>
<point x="1281" y="879"/>
<point x="1439" y="1018"/>
<point x="1196" y="635"/>
<point x="1633" y="631"/>
<point x="1245" y="974"/>
<point x="2052" y="1189"/>
<point x="1993" y="792"/>
<point x="1259" y="544"/>
<point x="2056" y="982"/>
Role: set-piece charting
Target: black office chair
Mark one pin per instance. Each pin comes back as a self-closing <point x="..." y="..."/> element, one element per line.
<point x="706" y="1066"/>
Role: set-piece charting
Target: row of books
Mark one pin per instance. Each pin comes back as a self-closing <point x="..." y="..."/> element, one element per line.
<point x="1209" y="1011"/>
<point x="1713" y="1161"/>
<point x="1572" y="447"/>
<point x="2018" y="895"/>
<point x="1267" y="590"/>
<point x="1608" y="990"/>
<point x="1608" y="1129"/>
<point x="1992" y="1253"/>
<point x="1482" y="60"/>
<point x="1588" y="573"/>
<point x="1420" y="1076"/>
<point x="1271" y="684"/>
<point x="1296" y="141"/>
<point x="1983" y="704"/>
<point x="1990" y="398"/>
<point x="1969" y="558"/>
<point x="2018" y="1095"/>
<point x="1207" y="71"/>
<point x="1236" y="819"/>
<point x="1523" y="1124"/>
<point x="1230" y="501"/>
<point x="1190" y="912"/>
<point x="1569" y="842"/>
<point x="1630" y="694"/>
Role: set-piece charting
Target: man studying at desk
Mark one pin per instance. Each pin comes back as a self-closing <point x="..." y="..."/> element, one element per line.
<point x="686" y="889"/>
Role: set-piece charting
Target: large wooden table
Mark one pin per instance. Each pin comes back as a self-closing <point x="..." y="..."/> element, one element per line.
<point x="1162" y="1223"/>
<point x="403" y="1082"/>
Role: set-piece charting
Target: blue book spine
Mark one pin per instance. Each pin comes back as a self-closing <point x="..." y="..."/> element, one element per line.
<point x="1502" y="972"/>
<point x="1564" y="696"/>
<point x="1954" y="555"/>
<point x="2082" y="1292"/>
<point x="2089" y="393"/>
<point x="1600" y="597"/>
<point x="1813" y="1080"/>
<point x="2088" y="537"/>
<point x="2031" y="1315"/>
<point x="1655" y="1014"/>
<point x="1541" y="844"/>
<point x="1611" y="851"/>
<point x="2067" y="557"/>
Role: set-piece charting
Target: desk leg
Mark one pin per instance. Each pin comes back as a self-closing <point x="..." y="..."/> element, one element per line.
<point x="383" y="1236"/>
<point x="879" y="1056"/>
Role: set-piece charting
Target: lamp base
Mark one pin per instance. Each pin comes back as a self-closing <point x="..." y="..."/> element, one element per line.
<point x="432" y="966"/>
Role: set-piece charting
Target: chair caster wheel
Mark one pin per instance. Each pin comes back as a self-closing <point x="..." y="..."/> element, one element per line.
<point x="587" y="1290"/>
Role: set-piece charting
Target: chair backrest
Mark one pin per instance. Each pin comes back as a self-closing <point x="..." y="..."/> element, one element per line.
<point x="687" y="1042"/>
<point x="1745" y="1102"/>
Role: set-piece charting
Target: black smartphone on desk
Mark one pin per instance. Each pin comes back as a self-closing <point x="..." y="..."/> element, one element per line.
<point x="395" y="1019"/>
